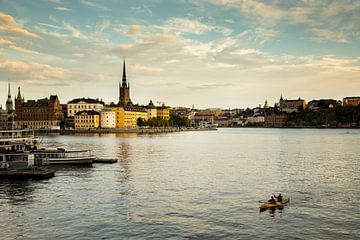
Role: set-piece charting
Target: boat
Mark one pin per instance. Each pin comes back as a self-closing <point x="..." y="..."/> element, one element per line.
<point x="274" y="205"/>
<point x="14" y="150"/>
<point x="60" y="156"/>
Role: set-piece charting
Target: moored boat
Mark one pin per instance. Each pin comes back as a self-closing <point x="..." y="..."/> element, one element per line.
<point x="60" y="156"/>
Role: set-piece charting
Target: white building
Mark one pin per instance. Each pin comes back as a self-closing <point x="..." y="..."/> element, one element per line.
<point x="108" y="118"/>
<point x="81" y="104"/>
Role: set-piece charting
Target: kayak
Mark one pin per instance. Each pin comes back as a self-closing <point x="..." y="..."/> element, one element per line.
<point x="274" y="205"/>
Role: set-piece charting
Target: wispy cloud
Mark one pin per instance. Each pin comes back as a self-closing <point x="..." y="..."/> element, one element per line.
<point x="63" y="9"/>
<point x="322" y="35"/>
<point x="142" y="9"/>
<point x="210" y="85"/>
<point x="95" y="5"/>
<point x="9" y="25"/>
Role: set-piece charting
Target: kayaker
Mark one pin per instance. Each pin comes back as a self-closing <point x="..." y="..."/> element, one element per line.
<point x="279" y="198"/>
<point x="272" y="200"/>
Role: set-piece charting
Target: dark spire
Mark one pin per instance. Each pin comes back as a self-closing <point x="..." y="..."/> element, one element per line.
<point x="9" y="94"/>
<point x="19" y="94"/>
<point x="124" y="82"/>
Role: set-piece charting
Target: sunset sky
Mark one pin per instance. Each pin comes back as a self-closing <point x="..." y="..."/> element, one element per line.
<point x="215" y="53"/>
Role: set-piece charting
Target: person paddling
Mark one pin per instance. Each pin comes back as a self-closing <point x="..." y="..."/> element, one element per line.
<point x="279" y="198"/>
<point x="272" y="200"/>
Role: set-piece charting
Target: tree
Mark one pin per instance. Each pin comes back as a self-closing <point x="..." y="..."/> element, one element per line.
<point x="141" y="122"/>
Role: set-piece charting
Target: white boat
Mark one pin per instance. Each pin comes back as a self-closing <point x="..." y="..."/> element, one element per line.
<point x="60" y="156"/>
<point x="15" y="151"/>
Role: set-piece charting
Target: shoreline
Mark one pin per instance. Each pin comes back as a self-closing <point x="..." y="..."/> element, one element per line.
<point x="121" y="130"/>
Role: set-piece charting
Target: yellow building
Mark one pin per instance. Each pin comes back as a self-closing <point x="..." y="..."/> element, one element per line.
<point x="127" y="116"/>
<point x="351" y="101"/>
<point x="87" y="119"/>
<point x="163" y="112"/>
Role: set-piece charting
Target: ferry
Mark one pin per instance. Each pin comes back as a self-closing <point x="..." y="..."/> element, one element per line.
<point x="60" y="156"/>
<point x="15" y="149"/>
<point x="23" y="144"/>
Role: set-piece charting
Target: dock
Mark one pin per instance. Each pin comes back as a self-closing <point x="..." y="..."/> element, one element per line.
<point x="105" y="160"/>
<point x="31" y="173"/>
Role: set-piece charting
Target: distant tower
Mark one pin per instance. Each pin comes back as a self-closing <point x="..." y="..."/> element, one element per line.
<point x="18" y="100"/>
<point x="9" y="101"/>
<point x="266" y="105"/>
<point x="124" y="87"/>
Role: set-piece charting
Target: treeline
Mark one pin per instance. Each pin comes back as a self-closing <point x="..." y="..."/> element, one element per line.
<point x="174" y="121"/>
<point x="332" y="117"/>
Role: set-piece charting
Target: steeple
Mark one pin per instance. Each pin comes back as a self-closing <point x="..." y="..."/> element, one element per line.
<point x="19" y="94"/>
<point x="9" y="94"/>
<point x="124" y="89"/>
<point x="9" y="101"/>
<point x="124" y="82"/>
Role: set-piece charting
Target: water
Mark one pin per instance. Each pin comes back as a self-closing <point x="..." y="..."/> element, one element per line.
<point x="201" y="185"/>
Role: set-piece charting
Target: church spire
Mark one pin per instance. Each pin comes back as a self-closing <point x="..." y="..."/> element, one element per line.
<point x="9" y="101"/>
<point x="19" y="94"/>
<point x="9" y="94"/>
<point x="124" y="82"/>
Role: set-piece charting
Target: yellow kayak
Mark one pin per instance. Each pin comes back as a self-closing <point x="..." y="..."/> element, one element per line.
<point x="275" y="205"/>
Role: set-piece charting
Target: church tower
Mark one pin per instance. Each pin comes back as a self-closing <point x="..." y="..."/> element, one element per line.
<point x="18" y="100"/>
<point x="124" y="87"/>
<point x="9" y="101"/>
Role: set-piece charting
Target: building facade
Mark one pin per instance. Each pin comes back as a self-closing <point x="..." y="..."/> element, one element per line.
<point x="108" y="118"/>
<point x="151" y="110"/>
<point x="292" y="105"/>
<point x="126" y="117"/>
<point x="83" y="104"/>
<point x="44" y="113"/>
<point x="163" y="112"/>
<point x="275" y="120"/>
<point x="87" y="119"/>
<point x="351" y="101"/>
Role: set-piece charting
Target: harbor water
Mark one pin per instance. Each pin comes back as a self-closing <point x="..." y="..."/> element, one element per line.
<point x="197" y="185"/>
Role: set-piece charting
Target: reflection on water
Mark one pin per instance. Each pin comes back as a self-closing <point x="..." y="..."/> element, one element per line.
<point x="194" y="185"/>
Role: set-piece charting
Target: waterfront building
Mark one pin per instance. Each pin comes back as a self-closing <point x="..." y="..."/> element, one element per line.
<point x="80" y="104"/>
<point x="108" y="118"/>
<point x="275" y="120"/>
<point x="4" y="118"/>
<point x="291" y="105"/>
<point x="87" y="119"/>
<point x="256" y="120"/>
<point x="124" y="90"/>
<point x="44" y="113"/>
<point x="163" y="112"/>
<point x="151" y="110"/>
<point x="351" y="101"/>
<point x="127" y="116"/>
<point x="321" y="104"/>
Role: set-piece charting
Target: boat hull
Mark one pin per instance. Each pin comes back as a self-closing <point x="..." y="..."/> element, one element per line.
<point x="276" y="205"/>
<point x="73" y="161"/>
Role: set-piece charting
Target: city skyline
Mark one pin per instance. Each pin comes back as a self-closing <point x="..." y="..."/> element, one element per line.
<point x="212" y="53"/>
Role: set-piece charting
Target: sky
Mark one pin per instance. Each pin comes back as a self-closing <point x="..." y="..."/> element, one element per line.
<point x="206" y="53"/>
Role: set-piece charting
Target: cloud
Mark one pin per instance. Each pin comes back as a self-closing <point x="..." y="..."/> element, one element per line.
<point x="186" y="26"/>
<point x="74" y="31"/>
<point x="210" y="85"/>
<point x="142" y="9"/>
<point x="5" y="43"/>
<point x="30" y="70"/>
<point x="9" y="25"/>
<point x="95" y="5"/>
<point x="63" y="9"/>
<point x="328" y="35"/>
<point x="141" y="68"/>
